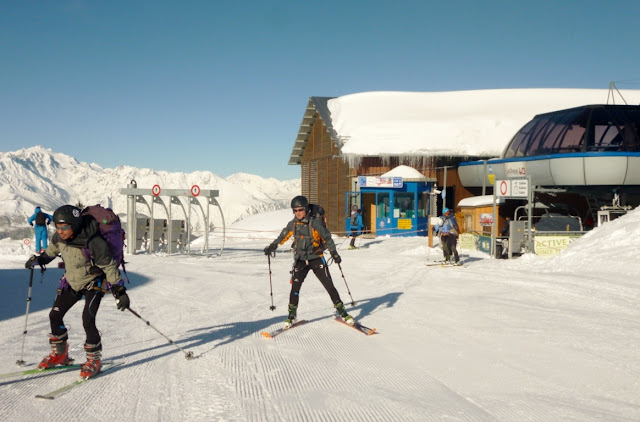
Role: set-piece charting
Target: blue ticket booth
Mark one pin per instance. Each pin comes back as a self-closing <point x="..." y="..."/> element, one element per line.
<point x="391" y="205"/>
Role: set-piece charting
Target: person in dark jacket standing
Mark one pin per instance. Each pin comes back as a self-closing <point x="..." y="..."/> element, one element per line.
<point x="41" y="220"/>
<point x="448" y="232"/>
<point x="356" y="227"/>
<point x="310" y="238"/>
<point x="88" y="276"/>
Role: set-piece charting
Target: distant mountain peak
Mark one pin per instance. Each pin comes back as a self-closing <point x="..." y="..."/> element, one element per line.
<point x="38" y="176"/>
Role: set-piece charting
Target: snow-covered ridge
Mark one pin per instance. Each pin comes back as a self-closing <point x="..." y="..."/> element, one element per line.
<point x="38" y="176"/>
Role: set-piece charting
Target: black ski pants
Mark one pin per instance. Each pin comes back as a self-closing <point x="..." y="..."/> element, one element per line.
<point x="354" y="234"/>
<point x="65" y="300"/>
<point x="449" y="243"/>
<point x="321" y="270"/>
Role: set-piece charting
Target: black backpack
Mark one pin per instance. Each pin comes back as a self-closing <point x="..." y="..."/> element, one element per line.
<point x="316" y="211"/>
<point x="40" y="219"/>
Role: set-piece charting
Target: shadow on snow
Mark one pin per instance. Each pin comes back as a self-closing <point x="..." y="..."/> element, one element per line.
<point x="15" y="287"/>
<point x="223" y="333"/>
<point x="227" y="333"/>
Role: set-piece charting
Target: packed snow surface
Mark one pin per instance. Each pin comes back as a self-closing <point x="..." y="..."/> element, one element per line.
<point x="530" y="339"/>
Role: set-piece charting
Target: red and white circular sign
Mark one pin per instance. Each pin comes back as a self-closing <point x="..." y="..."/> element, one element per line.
<point x="195" y="190"/>
<point x="504" y="189"/>
<point x="156" y="190"/>
<point x="27" y="242"/>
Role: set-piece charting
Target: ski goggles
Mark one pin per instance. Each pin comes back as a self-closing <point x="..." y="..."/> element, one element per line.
<point x="64" y="227"/>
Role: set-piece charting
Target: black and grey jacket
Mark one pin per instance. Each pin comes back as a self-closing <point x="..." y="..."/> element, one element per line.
<point x="310" y="238"/>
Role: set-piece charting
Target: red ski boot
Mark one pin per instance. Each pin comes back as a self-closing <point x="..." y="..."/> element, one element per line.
<point x="59" y="352"/>
<point x="92" y="366"/>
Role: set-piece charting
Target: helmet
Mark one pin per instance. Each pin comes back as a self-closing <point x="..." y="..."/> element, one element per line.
<point x="445" y="210"/>
<point x="299" y="202"/>
<point x="70" y="215"/>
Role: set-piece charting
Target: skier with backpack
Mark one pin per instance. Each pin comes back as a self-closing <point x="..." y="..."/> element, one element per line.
<point x="41" y="220"/>
<point x="90" y="271"/>
<point x="310" y="239"/>
<point x="356" y="227"/>
<point x="448" y="232"/>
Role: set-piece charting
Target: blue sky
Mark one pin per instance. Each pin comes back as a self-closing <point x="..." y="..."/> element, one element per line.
<point x="223" y="85"/>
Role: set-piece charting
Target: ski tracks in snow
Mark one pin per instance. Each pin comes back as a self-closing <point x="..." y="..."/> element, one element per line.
<point x="299" y="376"/>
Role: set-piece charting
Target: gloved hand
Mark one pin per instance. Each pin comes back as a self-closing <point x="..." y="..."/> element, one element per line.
<point x="31" y="262"/>
<point x="31" y="224"/>
<point x="122" y="299"/>
<point x="270" y="249"/>
<point x="95" y="270"/>
<point x="336" y="257"/>
<point x="41" y="260"/>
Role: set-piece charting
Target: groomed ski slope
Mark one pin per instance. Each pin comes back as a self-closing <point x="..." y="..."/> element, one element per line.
<point x="530" y="339"/>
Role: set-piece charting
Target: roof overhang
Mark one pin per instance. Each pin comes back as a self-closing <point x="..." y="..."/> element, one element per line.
<point x="317" y="106"/>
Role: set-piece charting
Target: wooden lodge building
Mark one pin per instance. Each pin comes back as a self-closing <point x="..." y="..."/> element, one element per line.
<point x="327" y="175"/>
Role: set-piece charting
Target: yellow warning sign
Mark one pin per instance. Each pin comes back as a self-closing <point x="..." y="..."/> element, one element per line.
<point x="404" y="224"/>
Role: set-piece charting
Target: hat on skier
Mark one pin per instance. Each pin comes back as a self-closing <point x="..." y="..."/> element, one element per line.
<point x="68" y="214"/>
<point x="445" y="210"/>
<point x="299" y="202"/>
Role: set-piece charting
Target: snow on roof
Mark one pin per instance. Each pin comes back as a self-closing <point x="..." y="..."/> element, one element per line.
<point x="479" y="201"/>
<point x="406" y="172"/>
<point x="459" y="123"/>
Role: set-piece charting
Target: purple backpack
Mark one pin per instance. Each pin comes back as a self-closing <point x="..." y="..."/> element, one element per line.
<point x="110" y="229"/>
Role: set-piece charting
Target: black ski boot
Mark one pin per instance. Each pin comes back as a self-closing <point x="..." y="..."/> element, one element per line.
<point x="343" y="313"/>
<point x="291" y="319"/>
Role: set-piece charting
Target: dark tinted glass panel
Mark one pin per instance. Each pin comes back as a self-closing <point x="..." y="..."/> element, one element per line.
<point x="573" y="139"/>
<point x="612" y="128"/>
<point x="517" y="140"/>
<point x="615" y="130"/>
<point x="538" y="135"/>
<point x="569" y="133"/>
<point x="550" y="134"/>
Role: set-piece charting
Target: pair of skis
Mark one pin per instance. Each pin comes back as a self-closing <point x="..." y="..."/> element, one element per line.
<point x="357" y="326"/>
<point x="106" y="366"/>
<point x="282" y="329"/>
<point x="38" y="371"/>
<point x="443" y="264"/>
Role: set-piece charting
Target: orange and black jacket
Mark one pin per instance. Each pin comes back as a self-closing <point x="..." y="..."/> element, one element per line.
<point x="310" y="238"/>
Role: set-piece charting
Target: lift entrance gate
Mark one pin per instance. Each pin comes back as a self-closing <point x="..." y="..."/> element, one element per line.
<point x="137" y="195"/>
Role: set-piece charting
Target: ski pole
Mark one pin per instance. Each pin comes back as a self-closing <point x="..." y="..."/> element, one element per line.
<point x="345" y="283"/>
<point x="272" y="307"/>
<point x="360" y="237"/>
<point x="20" y="361"/>
<point x="188" y="355"/>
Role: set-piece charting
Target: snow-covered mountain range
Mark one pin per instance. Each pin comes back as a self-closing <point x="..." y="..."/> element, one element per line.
<point x="38" y="176"/>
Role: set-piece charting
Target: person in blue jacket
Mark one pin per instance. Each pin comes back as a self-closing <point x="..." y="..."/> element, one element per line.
<point x="448" y="232"/>
<point x="356" y="227"/>
<point x="41" y="220"/>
